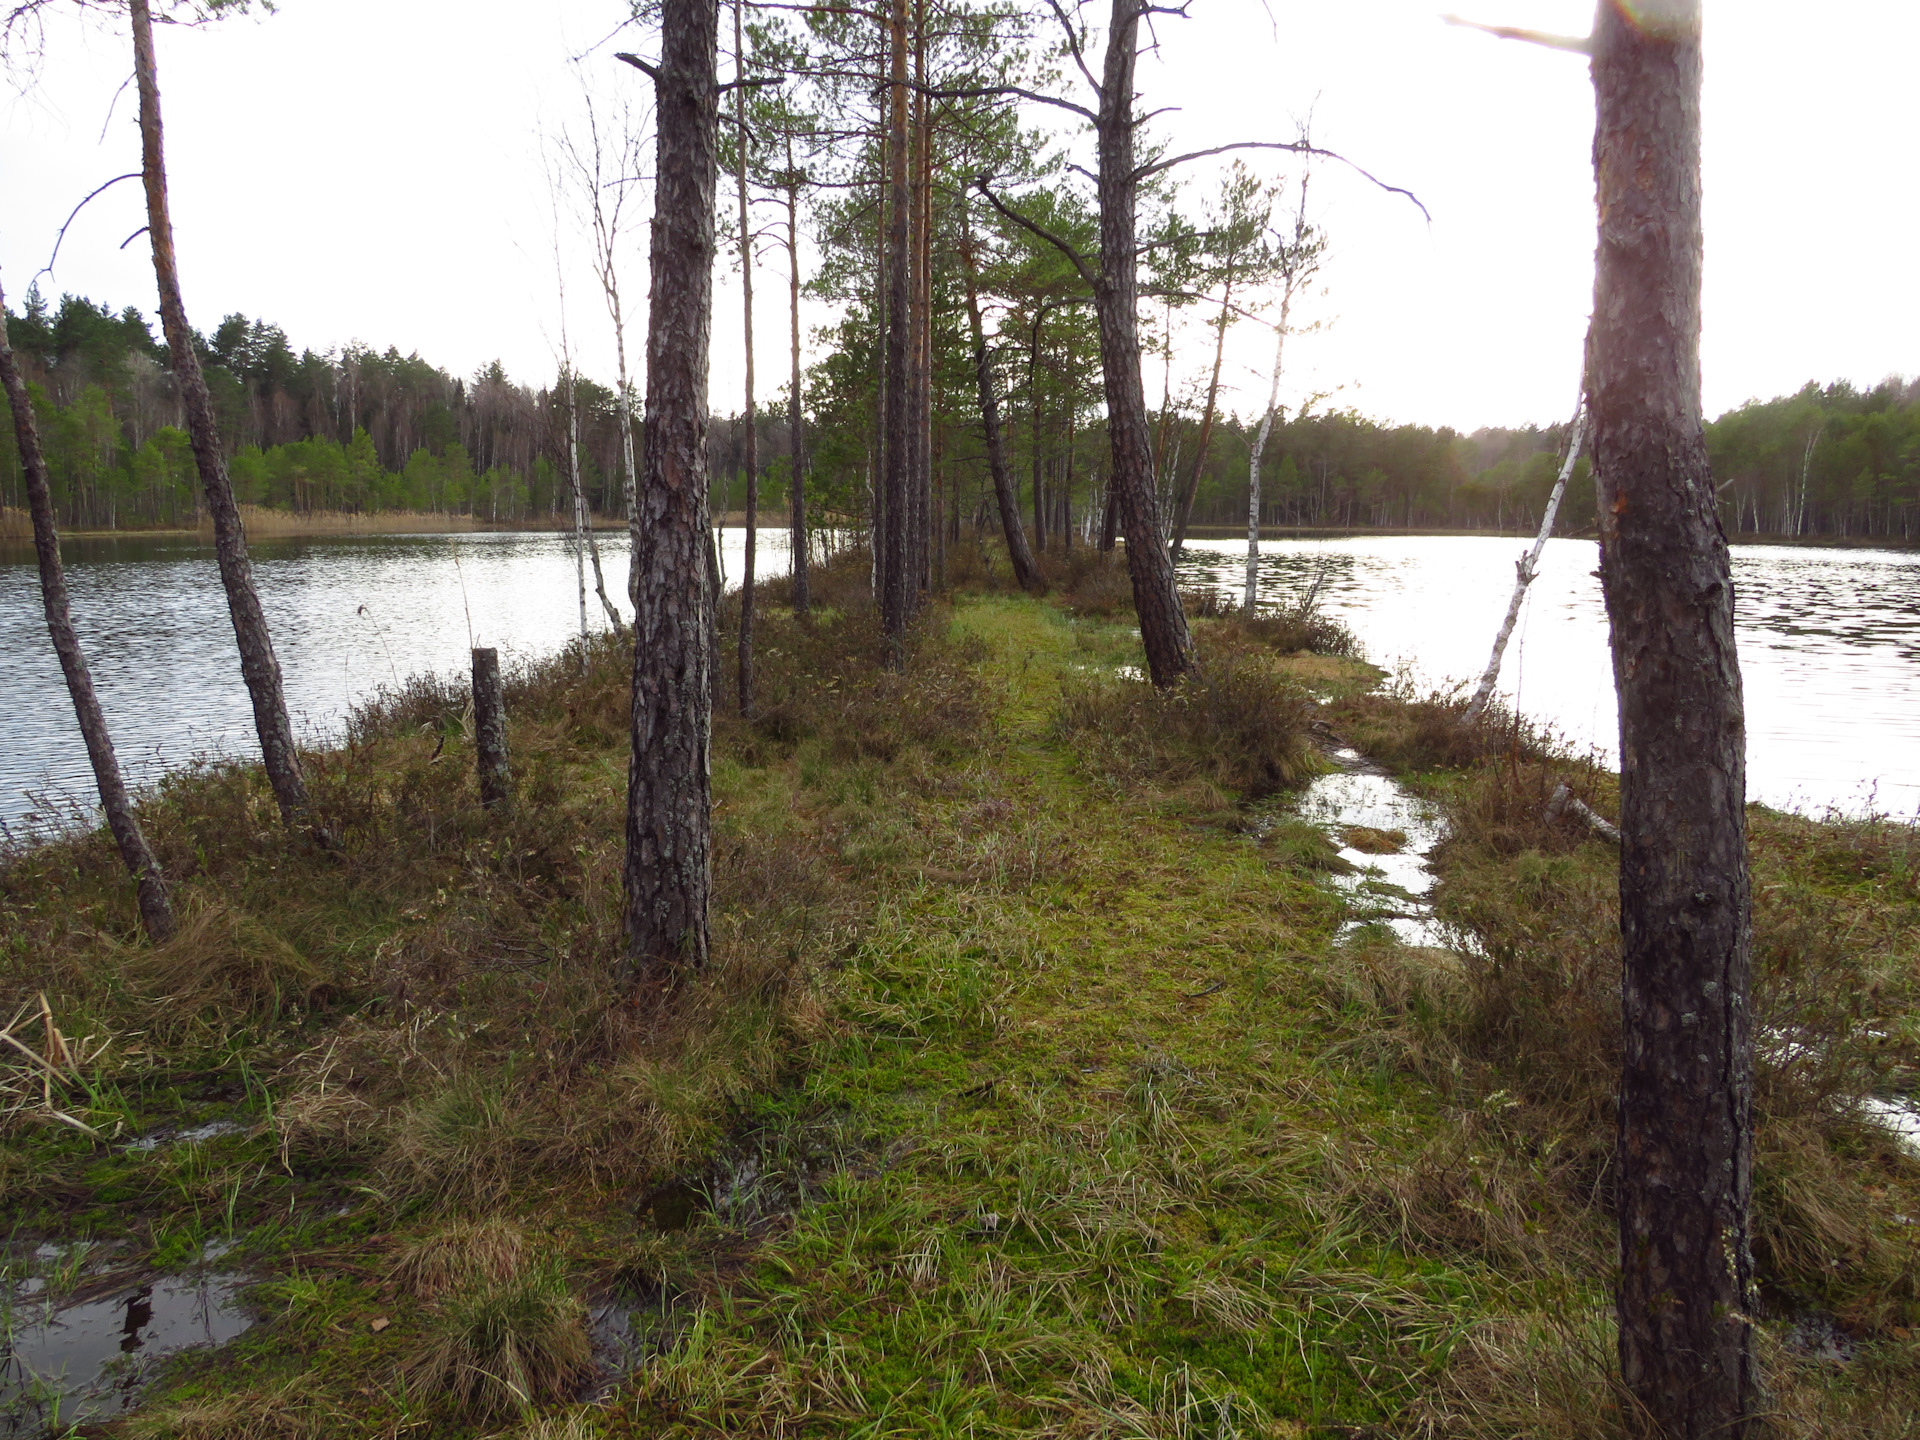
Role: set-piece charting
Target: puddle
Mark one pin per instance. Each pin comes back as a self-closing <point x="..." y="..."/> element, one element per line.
<point x="87" y="1360"/>
<point x="193" y="1135"/>
<point x="1387" y="889"/>
<point x="1901" y="1117"/>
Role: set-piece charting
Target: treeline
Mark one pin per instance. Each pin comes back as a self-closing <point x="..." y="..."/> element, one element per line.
<point x="359" y="431"/>
<point x="355" y="430"/>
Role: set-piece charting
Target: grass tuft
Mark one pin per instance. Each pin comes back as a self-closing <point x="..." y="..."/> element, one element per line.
<point x="501" y="1346"/>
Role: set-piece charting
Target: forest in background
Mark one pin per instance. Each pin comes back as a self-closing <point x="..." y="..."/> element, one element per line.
<point x="362" y="431"/>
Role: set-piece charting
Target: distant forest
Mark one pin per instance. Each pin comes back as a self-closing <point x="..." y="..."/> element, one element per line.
<point x="363" y="431"/>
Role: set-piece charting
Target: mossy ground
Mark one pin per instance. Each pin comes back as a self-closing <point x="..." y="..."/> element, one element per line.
<point x="1032" y="1095"/>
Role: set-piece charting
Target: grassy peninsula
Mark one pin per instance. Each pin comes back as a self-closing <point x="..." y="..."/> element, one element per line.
<point x="1038" y="1086"/>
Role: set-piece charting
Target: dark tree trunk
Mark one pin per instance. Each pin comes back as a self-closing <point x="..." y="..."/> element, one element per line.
<point x="1025" y="572"/>
<point x="753" y="434"/>
<point x="1109" y="518"/>
<point x="922" y="316"/>
<point x="490" y="731"/>
<point x="1033" y="432"/>
<point x="1156" y="600"/>
<point x="796" y="419"/>
<point x="1206" y="424"/>
<point x="897" y="587"/>
<point x="1687" y="1078"/>
<point x="669" y="870"/>
<point x="258" y="665"/>
<point x="156" y="909"/>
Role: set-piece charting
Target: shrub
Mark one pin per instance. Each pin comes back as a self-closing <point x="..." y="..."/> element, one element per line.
<point x="1233" y="722"/>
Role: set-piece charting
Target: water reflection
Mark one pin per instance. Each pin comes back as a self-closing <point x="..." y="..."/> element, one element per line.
<point x="1829" y="641"/>
<point x="348" y="616"/>
<point x="1829" y="645"/>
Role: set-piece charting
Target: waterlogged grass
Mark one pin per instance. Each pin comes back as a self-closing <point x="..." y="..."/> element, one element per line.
<point x="1031" y="1092"/>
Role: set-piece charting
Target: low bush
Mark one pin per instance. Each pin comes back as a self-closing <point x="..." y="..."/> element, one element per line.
<point x="1234" y="722"/>
<point x="502" y="1345"/>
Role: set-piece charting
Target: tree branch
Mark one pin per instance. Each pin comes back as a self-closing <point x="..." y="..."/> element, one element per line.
<point x="1579" y="45"/>
<point x="1034" y="95"/>
<point x="1297" y="147"/>
<point x="1078" y="260"/>
<point x="1073" y="44"/>
<point x="60" y="239"/>
<point x="652" y="71"/>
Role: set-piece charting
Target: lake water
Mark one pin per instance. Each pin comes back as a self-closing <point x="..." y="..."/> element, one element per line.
<point x="1829" y="645"/>
<point x="348" y="615"/>
<point x="1829" y="641"/>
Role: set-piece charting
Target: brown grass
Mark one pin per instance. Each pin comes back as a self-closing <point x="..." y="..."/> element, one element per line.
<point x="1521" y="1039"/>
<point x="500" y="1345"/>
<point x="1234" y="723"/>
<point x="15" y="525"/>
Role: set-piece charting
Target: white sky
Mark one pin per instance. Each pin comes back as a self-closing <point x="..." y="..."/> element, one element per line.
<point x="370" y="170"/>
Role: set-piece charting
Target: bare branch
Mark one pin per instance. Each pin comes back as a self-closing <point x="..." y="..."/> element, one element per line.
<point x="1073" y="43"/>
<point x="1297" y="147"/>
<point x="60" y="239"/>
<point x="652" y="71"/>
<point x="1078" y="260"/>
<point x="1579" y="45"/>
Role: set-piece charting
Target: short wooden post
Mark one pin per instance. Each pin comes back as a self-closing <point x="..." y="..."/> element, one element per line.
<point x="490" y="731"/>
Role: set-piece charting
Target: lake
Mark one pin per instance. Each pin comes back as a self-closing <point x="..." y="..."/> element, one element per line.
<point x="1829" y="641"/>
<point x="1829" y="645"/>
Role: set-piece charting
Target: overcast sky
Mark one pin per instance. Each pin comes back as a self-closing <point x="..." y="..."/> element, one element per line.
<point x="371" y="170"/>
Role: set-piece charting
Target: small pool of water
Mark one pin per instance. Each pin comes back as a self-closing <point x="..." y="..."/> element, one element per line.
<point x="1387" y="889"/>
<point x="66" y="1363"/>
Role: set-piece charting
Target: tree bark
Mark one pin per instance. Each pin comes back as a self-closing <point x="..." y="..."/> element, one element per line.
<point x="258" y="665"/>
<point x="156" y="908"/>
<point x="796" y="418"/>
<point x="1685" y="1115"/>
<point x="1025" y="573"/>
<point x="490" y="731"/>
<point x="897" y="588"/>
<point x="922" y="316"/>
<point x="1156" y="600"/>
<point x="746" y="307"/>
<point x="1033" y="430"/>
<point x="1206" y="421"/>
<point x="669" y="869"/>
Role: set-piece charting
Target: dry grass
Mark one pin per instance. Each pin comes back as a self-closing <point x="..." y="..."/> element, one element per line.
<point x="1235" y="723"/>
<point x="263" y="523"/>
<point x="1520" y="1037"/>
<point x="500" y="1345"/>
<point x="15" y="525"/>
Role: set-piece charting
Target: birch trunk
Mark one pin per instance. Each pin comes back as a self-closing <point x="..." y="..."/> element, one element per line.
<point x="156" y="907"/>
<point x="259" y="667"/>
<point x="1259" y="448"/>
<point x="1686" y="1088"/>
<point x="1528" y="567"/>
<point x="669" y="868"/>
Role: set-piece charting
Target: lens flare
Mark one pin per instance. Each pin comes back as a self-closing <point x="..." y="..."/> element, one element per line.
<point x="1663" y="19"/>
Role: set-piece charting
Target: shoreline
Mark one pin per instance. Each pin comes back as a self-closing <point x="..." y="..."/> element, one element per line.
<point x="280" y="525"/>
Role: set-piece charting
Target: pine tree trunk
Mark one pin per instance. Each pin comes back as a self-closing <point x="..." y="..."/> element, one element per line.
<point x="1206" y="424"/>
<point x="258" y="665"/>
<point x="1156" y="599"/>
<point x="669" y="870"/>
<point x="897" y="590"/>
<point x="753" y="433"/>
<point x="796" y="418"/>
<point x="1025" y="572"/>
<point x="1685" y="1115"/>
<point x="156" y="908"/>
<point x="1033" y="434"/>
<point x="922" y="316"/>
